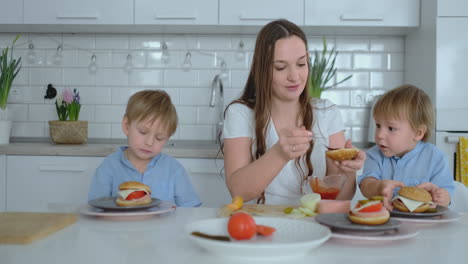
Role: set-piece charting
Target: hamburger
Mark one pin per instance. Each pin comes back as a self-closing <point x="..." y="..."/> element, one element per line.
<point x="133" y="193"/>
<point x="369" y="212"/>
<point x="412" y="199"/>
<point x="342" y="154"/>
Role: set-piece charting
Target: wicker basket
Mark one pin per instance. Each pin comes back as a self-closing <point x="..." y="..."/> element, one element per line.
<point x="68" y="132"/>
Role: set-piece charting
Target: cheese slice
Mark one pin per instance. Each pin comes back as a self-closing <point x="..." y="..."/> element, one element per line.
<point x="125" y="193"/>
<point x="410" y="204"/>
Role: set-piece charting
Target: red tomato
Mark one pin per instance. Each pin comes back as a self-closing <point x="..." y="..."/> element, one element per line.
<point x="135" y="195"/>
<point x="241" y="226"/>
<point x="372" y="208"/>
<point x="265" y="230"/>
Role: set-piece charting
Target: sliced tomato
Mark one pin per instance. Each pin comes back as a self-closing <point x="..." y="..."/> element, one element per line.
<point x="241" y="226"/>
<point x="372" y="208"/>
<point x="265" y="230"/>
<point x="136" y="195"/>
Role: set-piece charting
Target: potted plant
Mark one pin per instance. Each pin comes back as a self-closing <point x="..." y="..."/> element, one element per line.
<point x="9" y="68"/>
<point x="322" y="71"/>
<point x="68" y="129"/>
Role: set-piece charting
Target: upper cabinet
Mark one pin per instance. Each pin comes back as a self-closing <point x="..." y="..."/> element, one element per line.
<point x="11" y="12"/>
<point x="78" y="12"/>
<point x="452" y="8"/>
<point x="396" y="13"/>
<point x="260" y="12"/>
<point x="176" y="12"/>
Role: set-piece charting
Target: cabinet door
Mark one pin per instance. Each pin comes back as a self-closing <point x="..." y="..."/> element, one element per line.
<point x="452" y="8"/>
<point x="260" y="12"/>
<point x="176" y="12"/>
<point x="48" y="183"/>
<point x="78" y="12"/>
<point x="2" y="183"/>
<point x="11" y="12"/>
<point x="208" y="180"/>
<point x="397" y="13"/>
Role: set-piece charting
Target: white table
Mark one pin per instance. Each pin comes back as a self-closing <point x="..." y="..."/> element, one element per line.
<point x="160" y="239"/>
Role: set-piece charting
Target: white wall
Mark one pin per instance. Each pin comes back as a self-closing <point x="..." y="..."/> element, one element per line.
<point x="377" y="64"/>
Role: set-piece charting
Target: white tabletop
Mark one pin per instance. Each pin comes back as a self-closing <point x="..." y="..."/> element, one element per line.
<point x="160" y="239"/>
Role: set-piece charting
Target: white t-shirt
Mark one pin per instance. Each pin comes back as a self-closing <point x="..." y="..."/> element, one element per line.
<point x="286" y="187"/>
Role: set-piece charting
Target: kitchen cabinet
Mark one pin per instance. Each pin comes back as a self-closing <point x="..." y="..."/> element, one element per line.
<point x="260" y="12"/>
<point x="48" y="183"/>
<point x="78" y="12"/>
<point x="2" y="183"/>
<point x="452" y="8"/>
<point x="208" y="179"/>
<point x="388" y="13"/>
<point x="11" y="12"/>
<point x="184" y="12"/>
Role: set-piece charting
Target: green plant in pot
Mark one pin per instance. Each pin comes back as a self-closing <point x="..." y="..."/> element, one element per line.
<point x="322" y="71"/>
<point x="9" y="69"/>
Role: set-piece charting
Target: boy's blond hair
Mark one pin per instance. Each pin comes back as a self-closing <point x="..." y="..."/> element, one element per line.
<point x="152" y="105"/>
<point x="410" y="102"/>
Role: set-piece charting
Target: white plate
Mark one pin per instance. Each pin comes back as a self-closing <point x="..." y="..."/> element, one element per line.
<point x="450" y="216"/>
<point x="404" y="232"/>
<point x="162" y="207"/>
<point x="292" y="238"/>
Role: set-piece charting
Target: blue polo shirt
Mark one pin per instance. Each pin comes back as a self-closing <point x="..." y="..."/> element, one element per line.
<point x="425" y="163"/>
<point x="165" y="176"/>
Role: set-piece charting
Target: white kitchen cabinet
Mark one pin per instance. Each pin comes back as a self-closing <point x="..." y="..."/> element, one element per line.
<point x="48" y="183"/>
<point x="260" y="12"/>
<point x="2" y="183"/>
<point x="11" y="12"/>
<point x="452" y="8"/>
<point x="387" y="13"/>
<point x="176" y="12"/>
<point x="207" y="176"/>
<point x="78" y="12"/>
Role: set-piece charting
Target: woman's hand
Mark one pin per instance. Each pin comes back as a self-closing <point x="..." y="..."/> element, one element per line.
<point x="351" y="166"/>
<point x="440" y="196"/>
<point x="293" y="142"/>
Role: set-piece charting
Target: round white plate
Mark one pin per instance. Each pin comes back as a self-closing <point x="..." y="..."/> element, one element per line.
<point x="449" y="216"/>
<point x="404" y="232"/>
<point x="162" y="207"/>
<point x="292" y="238"/>
<point x="108" y="203"/>
<point x="340" y="221"/>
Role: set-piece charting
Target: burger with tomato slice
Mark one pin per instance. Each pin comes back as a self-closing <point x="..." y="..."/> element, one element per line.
<point x="412" y="199"/>
<point x="133" y="193"/>
<point x="369" y="212"/>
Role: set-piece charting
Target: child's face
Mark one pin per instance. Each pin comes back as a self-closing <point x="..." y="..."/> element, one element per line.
<point x="396" y="137"/>
<point x="145" y="139"/>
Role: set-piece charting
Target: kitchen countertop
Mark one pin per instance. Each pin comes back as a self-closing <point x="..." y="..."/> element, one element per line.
<point x="202" y="149"/>
<point x="161" y="239"/>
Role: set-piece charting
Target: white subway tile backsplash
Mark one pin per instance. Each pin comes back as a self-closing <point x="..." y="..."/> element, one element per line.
<point x="18" y="112"/>
<point x="377" y="64"/>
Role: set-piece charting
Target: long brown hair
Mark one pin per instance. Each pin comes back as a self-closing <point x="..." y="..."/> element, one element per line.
<point x="257" y="93"/>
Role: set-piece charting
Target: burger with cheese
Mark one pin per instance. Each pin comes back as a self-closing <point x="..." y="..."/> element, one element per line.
<point x="369" y="212"/>
<point x="412" y="199"/>
<point x="133" y="193"/>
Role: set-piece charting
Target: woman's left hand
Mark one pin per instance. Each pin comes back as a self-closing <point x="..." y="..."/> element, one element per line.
<point x="351" y="166"/>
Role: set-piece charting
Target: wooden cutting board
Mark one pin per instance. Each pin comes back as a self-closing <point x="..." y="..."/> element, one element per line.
<point x="26" y="227"/>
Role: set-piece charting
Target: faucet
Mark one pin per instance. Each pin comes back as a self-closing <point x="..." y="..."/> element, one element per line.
<point x="217" y="100"/>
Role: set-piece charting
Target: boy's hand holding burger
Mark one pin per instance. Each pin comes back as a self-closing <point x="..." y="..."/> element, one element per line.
<point x="386" y="188"/>
<point x="440" y="196"/>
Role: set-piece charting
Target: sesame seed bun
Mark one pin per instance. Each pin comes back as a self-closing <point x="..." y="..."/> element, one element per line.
<point x="342" y="154"/>
<point x="415" y="193"/>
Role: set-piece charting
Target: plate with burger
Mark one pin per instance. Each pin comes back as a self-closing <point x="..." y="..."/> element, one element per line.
<point x="413" y="201"/>
<point x="132" y="196"/>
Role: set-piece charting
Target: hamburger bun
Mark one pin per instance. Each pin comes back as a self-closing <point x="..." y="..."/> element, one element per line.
<point x="370" y="220"/>
<point x="135" y="185"/>
<point x="342" y="154"/>
<point x="121" y="202"/>
<point x="416" y="194"/>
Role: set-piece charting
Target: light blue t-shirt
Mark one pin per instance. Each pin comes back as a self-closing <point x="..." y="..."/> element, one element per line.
<point x="165" y="176"/>
<point x="425" y="163"/>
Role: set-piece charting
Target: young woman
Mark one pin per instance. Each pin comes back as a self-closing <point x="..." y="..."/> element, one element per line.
<point x="272" y="132"/>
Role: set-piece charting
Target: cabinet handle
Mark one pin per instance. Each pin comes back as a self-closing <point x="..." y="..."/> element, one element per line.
<point x="242" y="17"/>
<point x="452" y="139"/>
<point x="205" y="170"/>
<point x="71" y="16"/>
<point x="169" y="16"/>
<point x="360" y="18"/>
<point x="56" y="167"/>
